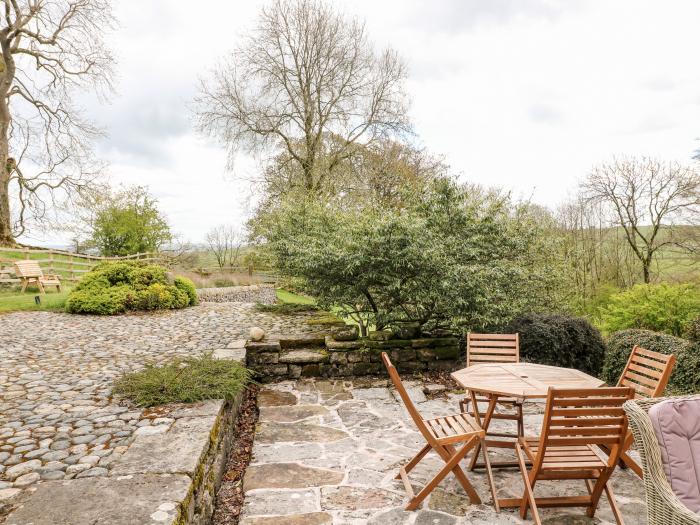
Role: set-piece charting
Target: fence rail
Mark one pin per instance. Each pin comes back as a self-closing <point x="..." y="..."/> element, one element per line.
<point x="69" y="266"/>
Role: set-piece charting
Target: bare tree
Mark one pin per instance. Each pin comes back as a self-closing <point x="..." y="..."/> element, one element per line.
<point x="225" y="243"/>
<point x="652" y="201"/>
<point x="49" y="48"/>
<point x="306" y="82"/>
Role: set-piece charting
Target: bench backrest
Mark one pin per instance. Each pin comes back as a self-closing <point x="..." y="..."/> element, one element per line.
<point x="28" y="269"/>
<point x="492" y="348"/>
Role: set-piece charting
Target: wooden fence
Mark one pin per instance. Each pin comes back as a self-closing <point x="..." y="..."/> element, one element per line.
<point x="70" y="266"/>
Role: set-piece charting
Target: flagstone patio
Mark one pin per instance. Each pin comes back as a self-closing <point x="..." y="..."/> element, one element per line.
<point x="326" y="452"/>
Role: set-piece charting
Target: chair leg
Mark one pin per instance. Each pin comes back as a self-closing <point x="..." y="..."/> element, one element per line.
<point x="25" y="283"/>
<point x="528" y="495"/>
<point x="613" y="505"/>
<point x="597" y="490"/>
<point x="627" y="461"/>
<point x="459" y="473"/>
<point x="485" y="426"/>
<point x="452" y="463"/>
<point x="489" y="475"/>
<point x="416" y="459"/>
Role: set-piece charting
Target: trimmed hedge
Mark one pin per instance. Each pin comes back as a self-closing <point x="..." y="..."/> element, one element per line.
<point x="686" y="374"/>
<point x="559" y="340"/>
<point x="117" y="287"/>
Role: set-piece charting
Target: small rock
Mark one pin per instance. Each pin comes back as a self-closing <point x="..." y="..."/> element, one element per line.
<point x="21" y="469"/>
<point x="90" y="460"/>
<point x="257" y="334"/>
<point x="6" y="494"/>
<point x="75" y="469"/>
<point x="27" y="479"/>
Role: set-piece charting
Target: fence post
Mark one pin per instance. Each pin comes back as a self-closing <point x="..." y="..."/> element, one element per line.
<point x="51" y="262"/>
<point x="70" y="268"/>
<point x="26" y="253"/>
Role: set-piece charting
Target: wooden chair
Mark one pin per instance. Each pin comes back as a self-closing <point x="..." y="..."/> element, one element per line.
<point x="29" y="272"/>
<point x="494" y="348"/>
<point x="647" y="373"/>
<point x="576" y="422"/>
<point x="442" y="435"/>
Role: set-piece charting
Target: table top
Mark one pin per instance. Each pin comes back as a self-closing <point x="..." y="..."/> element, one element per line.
<point x="525" y="380"/>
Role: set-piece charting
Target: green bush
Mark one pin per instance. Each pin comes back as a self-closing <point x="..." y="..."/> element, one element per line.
<point x="118" y="287"/>
<point x="686" y="374"/>
<point x="668" y="308"/>
<point x="187" y="286"/>
<point x="559" y="340"/>
<point x="184" y="380"/>
<point x="692" y="331"/>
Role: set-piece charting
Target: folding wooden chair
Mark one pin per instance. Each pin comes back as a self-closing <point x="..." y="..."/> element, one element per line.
<point x="576" y="422"/>
<point x="494" y="348"/>
<point x="442" y="435"/>
<point x="647" y="373"/>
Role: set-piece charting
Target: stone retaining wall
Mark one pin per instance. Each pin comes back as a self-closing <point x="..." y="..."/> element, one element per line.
<point x="264" y="294"/>
<point x="315" y="356"/>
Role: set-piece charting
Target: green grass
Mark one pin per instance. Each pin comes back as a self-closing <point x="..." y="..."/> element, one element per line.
<point x="14" y="301"/>
<point x="184" y="380"/>
<point x="285" y="296"/>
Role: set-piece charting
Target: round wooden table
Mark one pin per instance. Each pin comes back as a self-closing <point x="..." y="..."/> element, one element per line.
<point x="515" y="380"/>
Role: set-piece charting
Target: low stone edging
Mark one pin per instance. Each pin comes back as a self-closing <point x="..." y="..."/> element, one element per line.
<point x="166" y="477"/>
<point x="319" y="356"/>
<point x="257" y="293"/>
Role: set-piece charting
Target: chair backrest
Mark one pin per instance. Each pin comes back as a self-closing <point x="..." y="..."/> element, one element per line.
<point x="580" y="417"/>
<point x="28" y="269"/>
<point x="415" y="415"/>
<point x="492" y="348"/>
<point x="647" y="372"/>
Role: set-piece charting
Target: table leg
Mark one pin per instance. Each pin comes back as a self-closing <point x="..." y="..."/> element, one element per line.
<point x="485" y="423"/>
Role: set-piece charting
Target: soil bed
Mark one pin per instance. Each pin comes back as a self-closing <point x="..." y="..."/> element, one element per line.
<point x="229" y="499"/>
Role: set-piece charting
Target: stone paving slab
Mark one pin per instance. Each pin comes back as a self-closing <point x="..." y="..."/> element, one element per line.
<point x="143" y="499"/>
<point x="326" y="452"/>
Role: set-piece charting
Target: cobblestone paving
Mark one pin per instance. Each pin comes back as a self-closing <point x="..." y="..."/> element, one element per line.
<point x="326" y="453"/>
<point x="57" y="417"/>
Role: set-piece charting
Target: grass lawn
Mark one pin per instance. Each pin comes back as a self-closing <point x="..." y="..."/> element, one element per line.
<point x="284" y="296"/>
<point x="14" y="301"/>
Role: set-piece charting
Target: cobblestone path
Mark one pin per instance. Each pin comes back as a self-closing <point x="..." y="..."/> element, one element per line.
<point x="57" y="417"/>
<point x="326" y="453"/>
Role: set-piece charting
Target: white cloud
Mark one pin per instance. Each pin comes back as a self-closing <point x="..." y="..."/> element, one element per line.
<point x="527" y="95"/>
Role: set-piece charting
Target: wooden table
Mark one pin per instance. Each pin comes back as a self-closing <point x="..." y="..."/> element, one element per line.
<point x="515" y="380"/>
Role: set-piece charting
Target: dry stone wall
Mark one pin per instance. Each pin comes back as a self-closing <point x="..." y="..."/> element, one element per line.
<point x="264" y="294"/>
<point x="318" y="356"/>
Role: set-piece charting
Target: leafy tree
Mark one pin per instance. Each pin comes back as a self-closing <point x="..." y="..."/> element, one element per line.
<point x="452" y="255"/>
<point x="129" y="222"/>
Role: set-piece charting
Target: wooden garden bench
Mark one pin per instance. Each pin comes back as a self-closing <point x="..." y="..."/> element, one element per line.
<point x="29" y="272"/>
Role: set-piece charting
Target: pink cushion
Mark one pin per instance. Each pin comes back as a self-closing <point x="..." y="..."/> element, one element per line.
<point x="677" y="427"/>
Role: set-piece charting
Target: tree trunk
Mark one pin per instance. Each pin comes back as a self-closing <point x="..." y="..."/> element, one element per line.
<point x="647" y="278"/>
<point x="7" y="73"/>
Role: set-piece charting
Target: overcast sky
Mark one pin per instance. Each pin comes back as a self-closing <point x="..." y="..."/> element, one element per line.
<point x="522" y="94"/>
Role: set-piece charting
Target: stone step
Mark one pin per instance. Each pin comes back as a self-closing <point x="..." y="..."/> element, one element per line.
<point x="303" y="356"/>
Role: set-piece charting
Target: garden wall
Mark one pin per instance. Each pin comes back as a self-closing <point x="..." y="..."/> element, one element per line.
<point x="317" y="356"/>
<point x="264" y="294"/>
